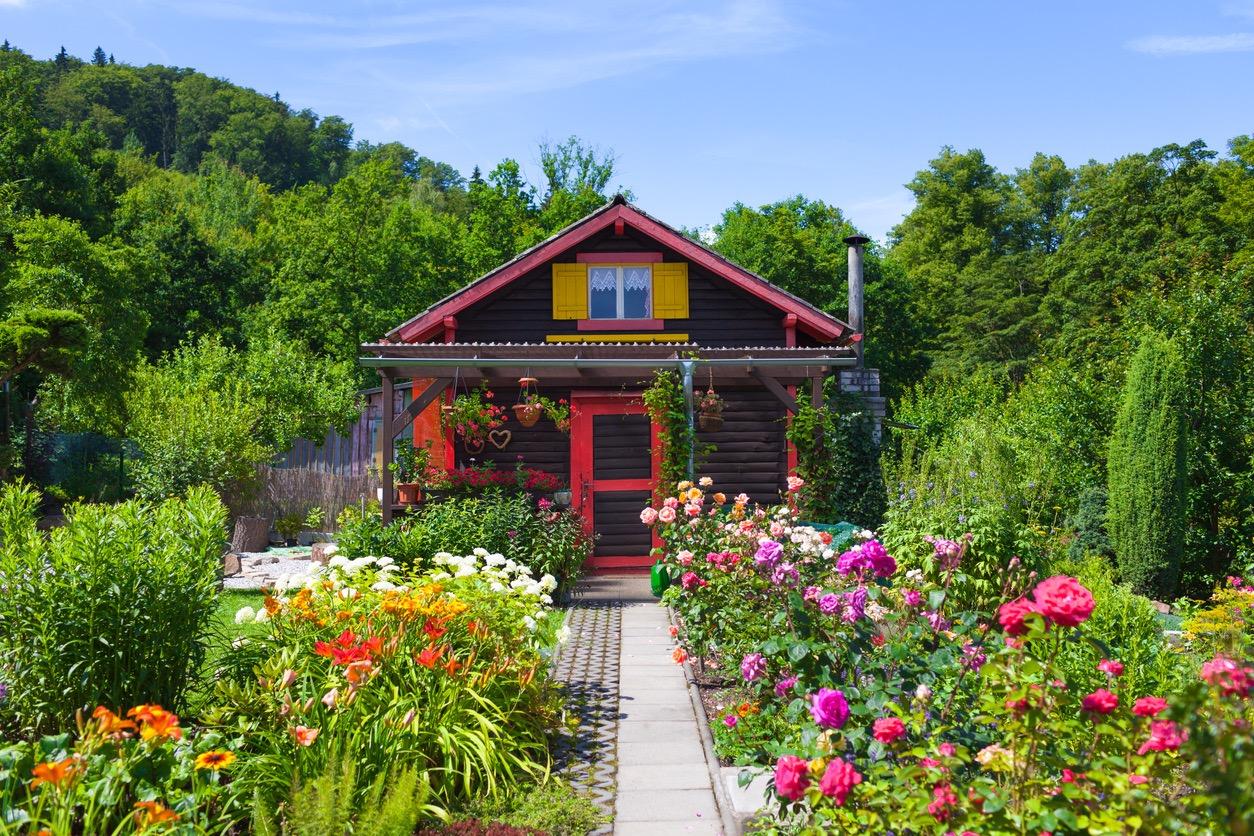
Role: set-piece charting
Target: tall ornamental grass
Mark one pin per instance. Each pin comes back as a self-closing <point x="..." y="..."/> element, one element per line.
<point x="111" y="609"/>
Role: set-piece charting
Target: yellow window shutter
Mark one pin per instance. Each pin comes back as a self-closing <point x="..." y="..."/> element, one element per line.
<point x="570" y="291"/>
<point x="670" y="290"/>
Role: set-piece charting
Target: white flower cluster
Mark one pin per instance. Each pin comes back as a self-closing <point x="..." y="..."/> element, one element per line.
<point x="501" y="573"/>
<point x="244" y="615"/>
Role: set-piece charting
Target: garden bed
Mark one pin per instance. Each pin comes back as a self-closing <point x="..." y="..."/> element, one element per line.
<point x="950" y="692"/>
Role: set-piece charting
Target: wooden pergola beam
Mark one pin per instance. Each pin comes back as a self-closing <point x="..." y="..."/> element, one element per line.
<point x="419" y="403"/>
<point x="775" y="388"/>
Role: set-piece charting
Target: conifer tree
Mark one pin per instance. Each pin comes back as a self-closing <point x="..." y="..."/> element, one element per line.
<point x="99" y="58"/>
<point x="1146" y="470"/>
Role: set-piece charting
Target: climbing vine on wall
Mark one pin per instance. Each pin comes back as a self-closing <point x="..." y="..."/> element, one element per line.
<point x="839" y="460"/>
<point x="664" y="401"/>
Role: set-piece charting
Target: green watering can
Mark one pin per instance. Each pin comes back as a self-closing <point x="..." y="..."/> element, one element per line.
<point x="659" y="579"/>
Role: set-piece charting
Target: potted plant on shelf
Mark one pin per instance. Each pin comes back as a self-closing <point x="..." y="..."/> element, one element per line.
<point x="530" y="405"/>
<point x="710" y="409"/>
<point x="409" y="468"/>
<point x="288" y="526"/>
<point x="472" y="416"/>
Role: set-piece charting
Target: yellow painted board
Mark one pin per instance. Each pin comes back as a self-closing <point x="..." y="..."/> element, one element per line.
<point x="616" y="338"/>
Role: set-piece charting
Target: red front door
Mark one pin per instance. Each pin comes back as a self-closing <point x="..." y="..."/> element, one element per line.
<point x="613" y="468"/>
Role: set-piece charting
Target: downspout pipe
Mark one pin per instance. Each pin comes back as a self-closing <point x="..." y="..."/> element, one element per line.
<point x="686" y="367"/>
<point x="856" y="286"/>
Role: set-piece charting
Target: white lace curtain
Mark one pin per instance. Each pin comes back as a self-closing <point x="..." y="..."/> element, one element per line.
<point x="604" y="278"/>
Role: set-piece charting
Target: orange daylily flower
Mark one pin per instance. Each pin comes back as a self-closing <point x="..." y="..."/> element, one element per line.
<point x="111" y="725"/>
<point x="149" y="813"/>
<point x="215" y="759"/>
<point x="434" y="628"/>
<point x="430" y="656"/>
<point x="451" y="666"/>
<point x="303" y="735"/>
<point x="57" y="773"/>
<point x="272" y="605"/>
<point x="359" y="671"/>
<point x="156" y="722"/>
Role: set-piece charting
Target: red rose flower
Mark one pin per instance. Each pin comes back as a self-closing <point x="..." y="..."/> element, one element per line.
<point x="1149" y="706"/>
<point x="791" y="779"/>
<point x="888" y="730"/>
<point x="1063" y="600"/>
<point x="1011" y="614"/>
<point x="839" y="780"/>
<point x="1100" y="701"/>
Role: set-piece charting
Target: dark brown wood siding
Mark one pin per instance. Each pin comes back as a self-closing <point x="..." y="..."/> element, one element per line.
<point x="721" y="314"/>
<point x="751" y="454"/>
<point x="620" y="448"/>
<point x="617" y="515"/>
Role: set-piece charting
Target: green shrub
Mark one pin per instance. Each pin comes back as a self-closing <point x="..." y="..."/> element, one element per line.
<point x="1147" y="468"/>
<point x="552" y="808"/>
<point x="548" y="540"/>
<point x="111" y="609"/>
<point x="839" y="461"/>
<point x="1088" y="522"/>
<point x="1129" y="627"/>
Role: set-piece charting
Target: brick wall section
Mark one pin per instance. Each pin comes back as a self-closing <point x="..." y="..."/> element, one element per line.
<point x="866" y="382"/>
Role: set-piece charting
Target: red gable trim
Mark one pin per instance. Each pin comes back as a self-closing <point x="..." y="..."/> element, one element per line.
<point x="809" y="319"/>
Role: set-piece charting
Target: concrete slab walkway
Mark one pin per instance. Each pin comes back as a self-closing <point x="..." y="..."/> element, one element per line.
<point x="640" y="750"/>
<point x="664" y="783"/>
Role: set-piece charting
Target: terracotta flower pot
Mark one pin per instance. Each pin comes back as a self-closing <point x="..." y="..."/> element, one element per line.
<point x="408" y="493"/>
<point x="527" y="413"/>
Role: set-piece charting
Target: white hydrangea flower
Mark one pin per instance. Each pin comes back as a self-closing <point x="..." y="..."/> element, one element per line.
<point x="548" y="583"/>
<point x="563" y="634"/>
<point x="244" y="614"/>
<point x="479" y="552"/>
<point x="263" y="615"/>
<point x="338" y="561"/>
<point x="440" y="576"/>
<point x="495" y="559"/>
<point x="348" y="593"/>
<point x="529" y="623"/>
<point x="382" y="586"/>
<point x="546" y="599"/>
<point x="386" y="561"/>
<point x="497" y="586"/>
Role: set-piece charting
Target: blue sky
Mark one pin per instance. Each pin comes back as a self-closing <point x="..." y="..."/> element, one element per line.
<point x="707" y="103"/>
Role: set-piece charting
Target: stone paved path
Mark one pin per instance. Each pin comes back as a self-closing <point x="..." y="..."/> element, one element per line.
<point x="639" y="750"/>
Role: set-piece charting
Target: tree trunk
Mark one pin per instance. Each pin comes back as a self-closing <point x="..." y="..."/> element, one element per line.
<point x="252" y="534"/>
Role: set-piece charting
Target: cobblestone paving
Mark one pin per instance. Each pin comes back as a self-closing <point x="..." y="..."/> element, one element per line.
<point x="587" y="666"/>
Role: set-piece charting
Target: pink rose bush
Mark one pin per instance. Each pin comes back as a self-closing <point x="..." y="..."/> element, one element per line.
<point x="885" y="702"/>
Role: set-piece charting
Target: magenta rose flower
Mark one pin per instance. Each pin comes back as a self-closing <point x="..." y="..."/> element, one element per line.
<point x="791" y="779"/>
<point x="1149" y="706"/>
<point x="768" y="553"/>
<point x="888" y="730"/>
<point x="829" y="708"/>
<point x="753" y="666"/>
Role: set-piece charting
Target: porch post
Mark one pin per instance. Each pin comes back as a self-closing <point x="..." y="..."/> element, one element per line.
<point x="389" y="444"/>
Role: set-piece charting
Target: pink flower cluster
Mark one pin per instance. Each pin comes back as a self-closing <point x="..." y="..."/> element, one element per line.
<point x="870" y="556"/>
<point x="1229" y="676"/>
<point x="1061" y="600"/>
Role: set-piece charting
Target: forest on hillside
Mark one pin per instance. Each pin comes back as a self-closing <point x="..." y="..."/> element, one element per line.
<point x="181" y="257"/>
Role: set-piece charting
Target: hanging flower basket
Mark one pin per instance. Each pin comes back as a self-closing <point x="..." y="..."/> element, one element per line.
<point x="472" y="444"/>
<point x="710" y="423"/>
<point x="710" y="417"/>
<point x="528" y="413"/>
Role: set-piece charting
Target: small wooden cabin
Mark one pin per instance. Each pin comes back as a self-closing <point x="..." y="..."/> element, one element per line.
<point x="592" y="313"/>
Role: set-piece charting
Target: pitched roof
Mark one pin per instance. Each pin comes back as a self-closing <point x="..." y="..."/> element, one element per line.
<point x="813" y="321"/>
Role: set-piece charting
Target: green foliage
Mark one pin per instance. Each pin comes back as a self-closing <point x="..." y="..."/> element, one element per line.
<point x="209" y="414"/>
<point x="329" y="804"/>
<point x="1130" y="631"/>
<point x="839" y="461"/>
<point x="664" y="401"/>
<point x="113" y="608"/>
<point x="553" y="808"/>
<point x="40" y="338"/>
<point x="548" y="540"/>
<point x="1089" y="524"/>
<point x="1147" y="470"/>
<point x="798" y="244"/>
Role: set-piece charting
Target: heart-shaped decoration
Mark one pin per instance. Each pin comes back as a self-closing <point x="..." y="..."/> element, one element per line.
<point x="500" y="438"/>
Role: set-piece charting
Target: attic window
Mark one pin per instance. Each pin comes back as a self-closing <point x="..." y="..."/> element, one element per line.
<point x="622" y="291"/>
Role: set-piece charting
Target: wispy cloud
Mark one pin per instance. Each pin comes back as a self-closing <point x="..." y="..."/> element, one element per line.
<point x="12" y="4"/>
<point x="1166" y="45"/>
